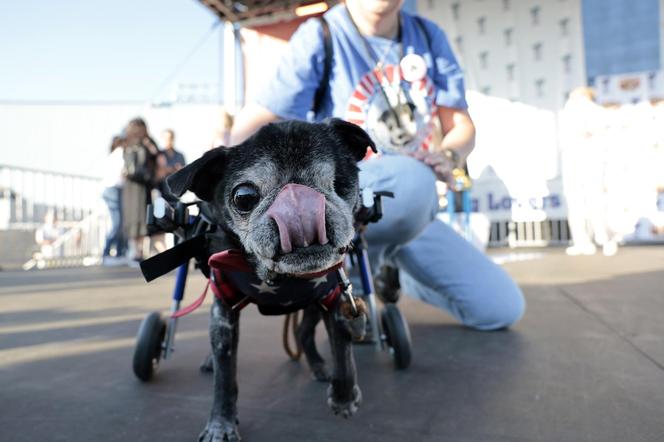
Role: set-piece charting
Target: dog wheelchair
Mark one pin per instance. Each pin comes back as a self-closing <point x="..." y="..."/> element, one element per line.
<point x="195" y="232"/>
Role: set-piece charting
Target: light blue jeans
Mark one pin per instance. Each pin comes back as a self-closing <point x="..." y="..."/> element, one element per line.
<point x="435" y="264"/>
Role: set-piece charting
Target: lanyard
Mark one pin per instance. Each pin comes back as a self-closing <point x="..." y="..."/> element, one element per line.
<point x="378" y="66"/>
<point x="378" y="63"/>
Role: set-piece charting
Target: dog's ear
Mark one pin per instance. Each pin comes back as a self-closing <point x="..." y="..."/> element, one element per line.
<point x="353" y="136"/>
<point x="201" y="176"/>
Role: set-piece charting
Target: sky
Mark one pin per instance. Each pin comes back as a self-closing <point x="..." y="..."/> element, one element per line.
<point x="100" y="51"/>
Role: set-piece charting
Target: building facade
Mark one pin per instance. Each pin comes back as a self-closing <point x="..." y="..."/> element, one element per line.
<point x="530" y="51"/>
<point x="536" y="51"/>
<point x="623" y="41"/>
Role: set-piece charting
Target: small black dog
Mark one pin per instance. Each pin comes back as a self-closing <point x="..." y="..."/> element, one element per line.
<point x="287" y="197"/>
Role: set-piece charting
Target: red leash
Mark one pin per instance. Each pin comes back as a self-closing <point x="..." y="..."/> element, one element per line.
<point x="197" y="303"/>
<point x="228" y="259"/>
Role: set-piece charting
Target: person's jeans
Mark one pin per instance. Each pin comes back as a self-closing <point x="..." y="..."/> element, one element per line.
<point x="436" y="264"/>
<point x="113" y="198"/>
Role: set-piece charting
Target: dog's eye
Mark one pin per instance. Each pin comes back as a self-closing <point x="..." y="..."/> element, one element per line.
<point x="245" y="197"/>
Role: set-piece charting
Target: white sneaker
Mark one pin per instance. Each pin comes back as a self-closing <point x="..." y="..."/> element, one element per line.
<point x="610" y="248"/>
<point x="585" y="249"/>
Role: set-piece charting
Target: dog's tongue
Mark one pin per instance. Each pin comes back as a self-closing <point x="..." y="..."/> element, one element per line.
<point x="299" y="212"/>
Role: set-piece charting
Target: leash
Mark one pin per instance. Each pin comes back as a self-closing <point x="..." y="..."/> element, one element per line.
<point x="194" y="305"/>
<point x="292" y="319"/>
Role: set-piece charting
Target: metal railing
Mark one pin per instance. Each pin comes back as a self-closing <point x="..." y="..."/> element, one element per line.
<point x="27" y="195"/>
<point x="81" y="245"/>
<point x="552" y="232"/>
<point x="74" y="201"/>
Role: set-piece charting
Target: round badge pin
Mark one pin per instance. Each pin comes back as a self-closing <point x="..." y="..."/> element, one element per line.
<point x="413" y="67"/>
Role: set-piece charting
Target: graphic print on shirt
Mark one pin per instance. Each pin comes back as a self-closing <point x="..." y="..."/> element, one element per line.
<point x="398" y="115"/>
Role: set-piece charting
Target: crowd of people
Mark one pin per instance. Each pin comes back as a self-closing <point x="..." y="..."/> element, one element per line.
<point x="134" y="174"/>
<point x="611" y="161"/>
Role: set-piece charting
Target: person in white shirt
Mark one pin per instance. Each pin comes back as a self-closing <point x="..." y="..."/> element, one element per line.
<point x="113" y="180"/>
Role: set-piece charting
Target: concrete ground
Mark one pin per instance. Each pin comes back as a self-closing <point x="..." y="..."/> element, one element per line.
<point x="585" y="364"/>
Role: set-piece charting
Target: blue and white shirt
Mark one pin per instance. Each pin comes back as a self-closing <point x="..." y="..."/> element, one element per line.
<point x="358" y="92"/>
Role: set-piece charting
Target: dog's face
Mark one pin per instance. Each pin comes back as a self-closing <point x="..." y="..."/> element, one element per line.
<point x="288" y="193"/>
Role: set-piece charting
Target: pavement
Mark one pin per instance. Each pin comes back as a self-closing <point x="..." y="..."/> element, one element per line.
<point x="586" y="363"/>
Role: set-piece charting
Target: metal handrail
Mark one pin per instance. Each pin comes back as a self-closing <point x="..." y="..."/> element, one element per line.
<point x="82" y="244"/>
<point x="48" y="172"/>
<point x="27" y="194"/>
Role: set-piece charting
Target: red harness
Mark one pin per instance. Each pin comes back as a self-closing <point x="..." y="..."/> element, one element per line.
<point x="233" y="262"/>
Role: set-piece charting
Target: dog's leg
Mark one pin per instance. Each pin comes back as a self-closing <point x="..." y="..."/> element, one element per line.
<point x="224" y="332"/>
<point x="207" y="365"/>
<point x="344" y="395"/>
<point x="306" y="334"/>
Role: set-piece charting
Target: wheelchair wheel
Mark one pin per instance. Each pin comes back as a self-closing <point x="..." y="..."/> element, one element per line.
<point x="149" y="341"/>
<point x="397" y="335"/>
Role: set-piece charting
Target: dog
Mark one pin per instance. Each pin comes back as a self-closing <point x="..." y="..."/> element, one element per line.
<point x="286" y="197"/>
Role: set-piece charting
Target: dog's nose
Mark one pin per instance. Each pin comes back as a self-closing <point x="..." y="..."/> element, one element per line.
<point x="299" y="212"/>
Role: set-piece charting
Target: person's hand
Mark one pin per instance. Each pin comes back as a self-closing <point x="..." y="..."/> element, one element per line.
<point x="440" y="163"/>
<point x="147" y="142"/>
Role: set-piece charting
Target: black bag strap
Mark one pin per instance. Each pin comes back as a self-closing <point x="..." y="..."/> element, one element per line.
<point x="423" y="29"/>
<point x="327" y="67"/>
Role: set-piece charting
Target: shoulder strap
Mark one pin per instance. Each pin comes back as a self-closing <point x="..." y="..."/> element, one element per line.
<point x="423" y="29"/>
<point x="327" y="67"/>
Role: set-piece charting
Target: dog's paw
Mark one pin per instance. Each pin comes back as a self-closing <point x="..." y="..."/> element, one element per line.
<point x="345" y="409"/>
<point x="320" y="373"/>
<point x="207" y="366"/>
<point x="220" y="431"/>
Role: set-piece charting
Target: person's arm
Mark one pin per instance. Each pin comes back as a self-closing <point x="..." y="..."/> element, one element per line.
<point x="289" y="94"/>
<point x="458" y="132"/>
<point x="250" y="118"/>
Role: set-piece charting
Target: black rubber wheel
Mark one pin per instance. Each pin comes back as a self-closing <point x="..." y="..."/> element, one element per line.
<point x="149" y="340"/>
<point x="397" y="335"/>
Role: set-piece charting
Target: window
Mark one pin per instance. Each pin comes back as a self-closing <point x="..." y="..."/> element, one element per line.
<point x="535" y="15"/>
<point x="564" y="27"/>
<point x="484" y="59"/>
<point x="459" y="43"/>
<point x="506" y="5"/>
<point x="508" y="36"/>
<point x="567" y="63"/>
<point x="481" y="25"/>
<point x="510" y="71"/>
<point x="539" y="87"/>
<point x="537" y="51"/>
<point x="455" y="11"/>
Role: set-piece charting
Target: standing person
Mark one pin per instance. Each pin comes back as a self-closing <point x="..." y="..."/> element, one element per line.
<point x="392" y="73"/>
<point x="139" y="171"/>
<point x="169" y="161"/>
<point x="113" y="181"/>
<point x="584" y="156"/>
<point x="174" y="158"/>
